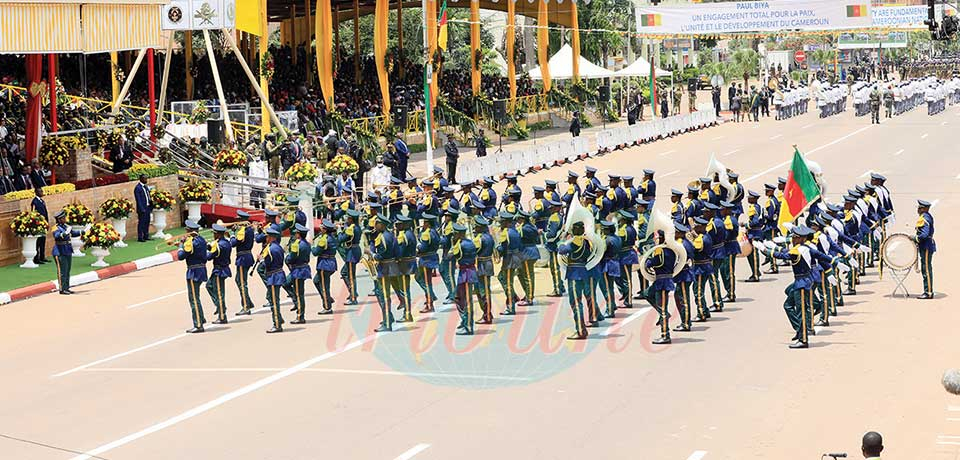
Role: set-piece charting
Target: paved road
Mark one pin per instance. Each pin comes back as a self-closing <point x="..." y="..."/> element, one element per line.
<point x="109" y="372"/>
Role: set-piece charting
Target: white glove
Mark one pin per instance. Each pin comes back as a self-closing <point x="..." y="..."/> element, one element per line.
<point x="788" y="226"/>
<point x="847" y="250"/>
<point x="854" y="263"/>
<point x="832" y="280"/>
<point x="69" y="229"/>
<point x="769" y="245"/>
<point x="876" y="233"/>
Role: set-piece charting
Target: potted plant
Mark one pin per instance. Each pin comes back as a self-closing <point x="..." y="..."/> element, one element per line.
<point x="117" y="209"/>
<point x="162" y="202"/>
<point x="29" y="225"/>
<point x="80" y="216"/>
<point x="305" y="172"/>
<point x="194" y="194"/>
<point x="232" y="162"/>
<point x="100" y="237"/>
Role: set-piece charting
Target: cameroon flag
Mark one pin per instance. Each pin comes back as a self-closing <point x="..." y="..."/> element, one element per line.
<point x="856" y="11"/>
<point x="801" y="190"/>
<point x="442" y="23"/>
<point x="651" y="20"/>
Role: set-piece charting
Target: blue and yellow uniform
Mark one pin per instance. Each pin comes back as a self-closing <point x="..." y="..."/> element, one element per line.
<point x="193" y="251"/>
<point x="406" y="265"/>
<point x="771" y="216"/>
<point x="447" y="268"/>
<point x="550" y="191"/>
<point x="648" y="188"/>
<point x="683" y="279"/>
<point x="325" y="249"/>
<point x="512" y="190"/>
<point x="677" y="211"/>
<point x="349" y="246"/>
<point x="755" y="226"/>
<point x="219" y="253"/>
<point x="738" y="195"/>
<point x="385" y="253"/>
<point x="428" y="243"/>
<point x="702" y="269"/>
<point x="464" y="254"/>
<point x="243" y="241"/>
<point x="63" y="252"/>
<point x="274" y="277"/>
<point x="731" y="249"/>
<point x="577" y="252"/>
<point x="718" y="236"/>
<point x="926" y="246"/>
<point x="572" y="191"/>
<point x="609" y="267"/>
<point x="529" y="239"/>
<point x="551" y="237"/>
<point x="261" y="237"/>
<point x="627" y="233"/>
<point x="483" y="242"/>
<point x="851" y="229"/>
<point x="540" y="209"/>
<point x="630" y="191"/>
<point x="489" y="198"/>
<point x="799" y="293"/>
<point x="643" y="241"/>
<point x="298" y="261"/>
<point x="509" y="247"/>
<point x="662" y="261"/>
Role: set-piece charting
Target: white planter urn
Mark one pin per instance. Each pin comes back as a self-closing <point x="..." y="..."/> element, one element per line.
<point x="307" y="190"/>
<point x="120" y="225"/>
<point x="77" y="243"/>
<point x="29" y="251"/>
<point x="232" y="193"/>
<point x="160" y="223"/>
<point x="193" y="210"/>
<point x="100" y="253"/>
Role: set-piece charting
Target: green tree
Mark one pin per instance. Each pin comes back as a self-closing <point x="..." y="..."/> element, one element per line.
<point x="747" y="63"/>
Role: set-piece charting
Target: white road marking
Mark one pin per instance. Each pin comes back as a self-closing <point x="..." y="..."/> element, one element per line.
<point x="313" y="369"/>
<point x="924" y="136"/>
<point x="805" y="127"/>
<point x="718" y="138"/>
<point x="778" y="136"/>
<point x="668" y="152"/>
<point x="731" y="152"/>
<point x="697" y="455"/>
<point x="780" y="165"/>
<point x="413" y="451"/>
<point x="221" y="400"/>
<point x="898" y="152"/>
<point x="156" y="299"/>
<point x="634" y="316"/>
<point x="669" y="173"/>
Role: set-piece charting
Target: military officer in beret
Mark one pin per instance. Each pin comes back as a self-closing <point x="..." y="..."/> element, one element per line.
<point x="926" y="246"/>
<point x="242" y="240"/>
<point x="63" y="251"/>
<point x="219" y="253"/>
<point x="325" y="249"/>
<point x="193" y="251"/>
<point x="483" y="242"/>
<point x="274" y="278"/>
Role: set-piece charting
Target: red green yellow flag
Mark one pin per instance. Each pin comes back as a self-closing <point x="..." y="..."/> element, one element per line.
<point x="801" y="190"/>
<point x="442" y="22"/>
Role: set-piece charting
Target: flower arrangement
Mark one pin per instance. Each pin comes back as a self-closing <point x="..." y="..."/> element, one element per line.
<point x="267" y="66"/>
<point x="195" y="190"/>
<point x="161" y="199"/>
<point x="29" y="223"/>
<point x="200" y="114"/>
<point x="47" y="191"/>
<point x="100" y="235"/>
<point x="116" y="208"/>
<point x="230" y="159"/>
<point x="77" y="214"/>
<point x="107" y="139"/>
<point x="304" y="171"/>
<point x="341" y="163"/>
<point x="56" y="150"/>
<point x="151" y="170"/>
<point x="119" y="75"/>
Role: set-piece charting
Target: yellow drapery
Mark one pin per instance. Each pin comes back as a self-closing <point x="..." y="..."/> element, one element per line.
<point x="511" y="43"/>
<point x="475" y="45"/>
<point x="380" y="32"/>
<point x="543" y="44"/>
<point x="575" y="41"/>
<point x="324" y="28"/>
<point x="432" y="46"/>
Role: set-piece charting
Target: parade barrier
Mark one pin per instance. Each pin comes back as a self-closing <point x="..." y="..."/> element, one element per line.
<point x="550" y="153"/>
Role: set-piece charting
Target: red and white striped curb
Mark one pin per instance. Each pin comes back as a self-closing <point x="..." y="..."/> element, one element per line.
<point x="88" y="277"/>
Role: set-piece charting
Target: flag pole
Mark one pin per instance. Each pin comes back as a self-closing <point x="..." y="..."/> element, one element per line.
<point x="427" y="80"/>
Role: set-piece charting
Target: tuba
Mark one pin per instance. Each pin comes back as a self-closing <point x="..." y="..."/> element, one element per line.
<point x="660" y="222"/>
<point x="578" y="213"/>
<point x="716" y="167"/>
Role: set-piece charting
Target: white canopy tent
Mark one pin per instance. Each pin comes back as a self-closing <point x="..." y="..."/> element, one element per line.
<point x="561" y="67"/>
<point x="640" y="68"/>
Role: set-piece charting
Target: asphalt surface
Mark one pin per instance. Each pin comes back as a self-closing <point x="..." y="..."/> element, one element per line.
<point x="109" y="371"/>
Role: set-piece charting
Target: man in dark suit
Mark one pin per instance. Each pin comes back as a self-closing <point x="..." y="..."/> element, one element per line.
<point x="121" y="155"/>
<point x="25" y="180"/>
<point x="141" y="193"/>
<point x="453" y="154"/>
<point x="41" y="207"/>
<point x="731" y="94"/>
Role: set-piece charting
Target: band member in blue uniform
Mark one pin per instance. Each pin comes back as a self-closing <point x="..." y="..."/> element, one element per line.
<point x="483" y="242"/>
<point x="489" y="198"/>
<point x="428" y="243"/>
<point x="572" y="191"/>
<point x="385" y="253"/>
<point x="648" y="187"/>
<point x="662" y="261"/>
<point x="551" y="237"/>
<point x="627" y="233"/>
<point x="349" y="245"/>
<point x="464" y="253"/>
<point x="242" y="241"/>
<point x="272" y="221"/>
<point x="529" y="239"/>
<point x="718" y="235"/>
<point x="577" y="251"/>
<point x="550" y="190"/>
<point x="406" y="265"/>
<point x="771" y="216"/>
<point x="610" y="267"/>
<point x="325" y="249"/>
<point x="702" y="269"/>
<point x="298" y="261"/>
<point x="927" y="246"/>
<point x="447" y="268"/>
<point x="219" y="253"/>
<point x="193" y="251"/>
<point x="755" y="226"/>
<point x="274" y="277"/>
<point x="731" y="249"/>
<point x="799" y="293"/>
<point x="677" y="210"/>
<point x="63" y="251"/>
<point x="683" y="279"/>
<point x="509" y="248"/>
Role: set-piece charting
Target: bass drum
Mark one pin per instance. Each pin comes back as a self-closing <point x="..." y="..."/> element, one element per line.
<point x="899" y="251"/>
<point x="746" y="247"/>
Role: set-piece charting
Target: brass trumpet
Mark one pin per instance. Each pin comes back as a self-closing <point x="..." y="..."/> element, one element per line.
<point x="175" y="241"/>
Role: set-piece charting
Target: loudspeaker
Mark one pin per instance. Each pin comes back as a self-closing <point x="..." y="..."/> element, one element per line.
<point x="692" y="84"/>
<point x="500" y="110"/>
<point x="215" y="132"/>
<point x="603" y="93"/>
<point x="400" y="116"/>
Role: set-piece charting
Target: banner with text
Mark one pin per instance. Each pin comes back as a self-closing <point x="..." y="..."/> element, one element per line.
<point x="872" y="41"/>
<point x="775" y="15"/>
